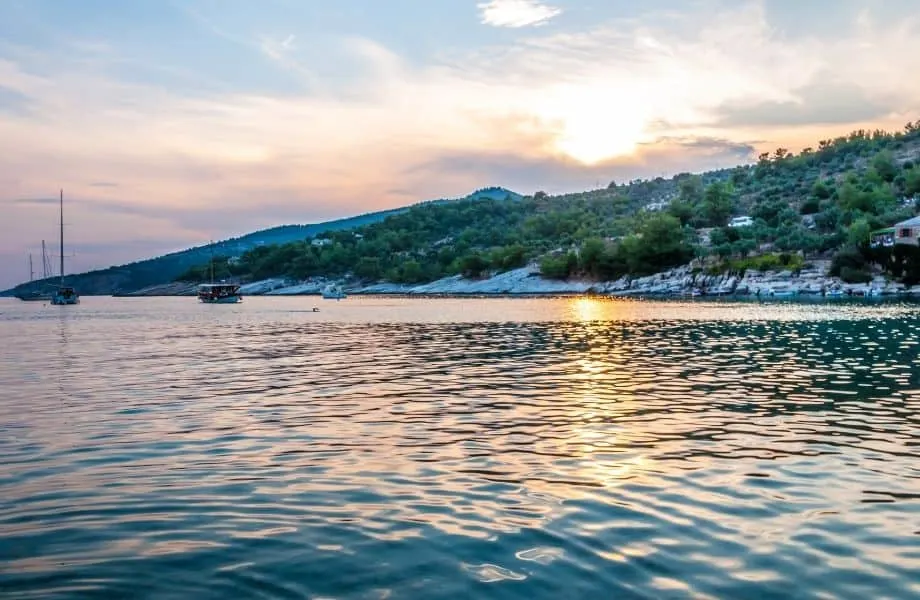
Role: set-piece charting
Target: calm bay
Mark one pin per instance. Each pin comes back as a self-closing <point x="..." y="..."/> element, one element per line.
<point x="446" y="448"/>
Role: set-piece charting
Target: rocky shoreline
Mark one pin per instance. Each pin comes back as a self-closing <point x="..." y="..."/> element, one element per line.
<point x="682" y="282"/>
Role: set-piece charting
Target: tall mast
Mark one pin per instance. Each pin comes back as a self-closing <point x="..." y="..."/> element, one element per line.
<point x="31" y="270"/>
<point x="62" y="238"/>
<point x="46" y="266"/>
<point x="212" y="261"/>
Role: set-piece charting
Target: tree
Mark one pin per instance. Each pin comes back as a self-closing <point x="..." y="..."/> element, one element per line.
<point x="717" y="203"/>
<point x="810" y="206"/>
<point x="369" y="267"/>
<point x="744" y="247"/>
<point x="852" y="198"/>
<point x="739" y="176"/>
<point x="858" y="232"/>
<point x="690" y="190"/>
<point x="473" y="265"/>
<point x="659" y="245"/>
<point x="558" y="267"/>
<point x="590" y="255"/>
<point x="508" y="257"/>
<point x="820" y="190"/>
<point x="884" y="164"/>
<point x="411" y="272"/>
<point x="912" y="181"/>
<point x="682" y="210"/>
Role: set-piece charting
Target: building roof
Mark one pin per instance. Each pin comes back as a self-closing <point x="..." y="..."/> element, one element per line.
<point x="915" y="222"/>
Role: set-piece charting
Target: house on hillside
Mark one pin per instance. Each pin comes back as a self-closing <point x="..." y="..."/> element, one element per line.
<point x="906" y="232"/>
<point x="741" y="222"/>
<point x="320" y="242"/>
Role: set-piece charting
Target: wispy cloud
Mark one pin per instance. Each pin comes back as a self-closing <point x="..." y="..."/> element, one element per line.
<point x="516" y="13"/>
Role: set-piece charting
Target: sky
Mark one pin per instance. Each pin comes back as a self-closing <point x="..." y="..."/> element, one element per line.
<point x="168" y="123"/>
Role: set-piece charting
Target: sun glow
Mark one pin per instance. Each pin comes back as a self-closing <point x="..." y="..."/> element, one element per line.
<point x="595" y="124"/>
<point x="586" y="309"/>
<point x="590" y="142"/>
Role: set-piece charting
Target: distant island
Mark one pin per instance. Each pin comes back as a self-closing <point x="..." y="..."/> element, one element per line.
<point x="828" y="215"/>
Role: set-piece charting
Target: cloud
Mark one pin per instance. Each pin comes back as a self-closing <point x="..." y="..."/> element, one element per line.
<point x="818" y="102"/>
<point x="661" y="157"/>
<point x="32" y="201"/>
<point x="709" y="148"/>
<point x="13" y="102"/>
<point x="516" y="13"/>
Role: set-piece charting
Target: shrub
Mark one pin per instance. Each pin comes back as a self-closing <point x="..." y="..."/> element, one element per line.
<point x="558" y="267"/>
<point x="849" y="258"/>
<point x="851" y="275"/>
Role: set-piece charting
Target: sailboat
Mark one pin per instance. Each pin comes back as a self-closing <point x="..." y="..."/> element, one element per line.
<point x="64" y="294"/>
<point x="38" y="295"/>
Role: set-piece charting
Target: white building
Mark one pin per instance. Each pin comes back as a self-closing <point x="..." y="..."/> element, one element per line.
<point x="741" y="222"/>
<point x="320" y="242"/>
<point x="908" y="232"/>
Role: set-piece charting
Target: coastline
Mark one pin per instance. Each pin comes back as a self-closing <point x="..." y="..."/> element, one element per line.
<point x="526" y="282"/>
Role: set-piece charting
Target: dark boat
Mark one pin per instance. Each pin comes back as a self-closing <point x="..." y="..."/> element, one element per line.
<point x="64" y="295"/>
<point x="219" y="293"/>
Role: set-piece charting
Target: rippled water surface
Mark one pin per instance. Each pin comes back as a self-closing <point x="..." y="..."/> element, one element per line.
<point x="394" y="448"/>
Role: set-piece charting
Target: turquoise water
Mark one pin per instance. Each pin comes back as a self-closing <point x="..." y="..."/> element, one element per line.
<point x="396" y="448"/>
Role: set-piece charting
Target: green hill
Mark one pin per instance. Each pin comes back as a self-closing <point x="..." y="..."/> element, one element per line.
<point x="164" y="269"/>
<point x="820" y="203"/>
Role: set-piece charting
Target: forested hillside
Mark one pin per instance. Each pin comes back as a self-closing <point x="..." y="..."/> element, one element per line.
<point x="823" y="201"/>
<point x="164" y="269"/>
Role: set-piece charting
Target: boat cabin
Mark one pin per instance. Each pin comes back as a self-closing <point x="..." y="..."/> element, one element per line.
<point x="219" y="292"/>
<point x="906" y="232"/>
<point x="65" y="295"/>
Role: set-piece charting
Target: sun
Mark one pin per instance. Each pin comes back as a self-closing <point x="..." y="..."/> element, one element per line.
<point x="591" y="142"/>
<point x="594" y="124"/>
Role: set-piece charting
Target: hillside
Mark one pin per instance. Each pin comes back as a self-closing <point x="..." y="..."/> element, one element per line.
<point x="821" y="203"/>
<point x="165" y="269"/>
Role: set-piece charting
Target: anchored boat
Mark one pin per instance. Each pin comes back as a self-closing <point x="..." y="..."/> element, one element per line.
<point x="219" y="293"/>
<point x="65" y="294"/>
